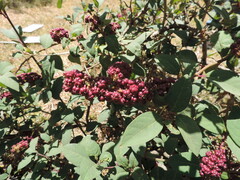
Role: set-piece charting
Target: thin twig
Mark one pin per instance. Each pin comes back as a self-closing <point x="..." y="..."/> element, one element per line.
<point x="80" y="127"/>
<point x="203" y="9"/>
<point x="87" y="113"/>
<point x="42" y="155"/>
<point x="22" y="64"/>
<point x="14" y="28"/>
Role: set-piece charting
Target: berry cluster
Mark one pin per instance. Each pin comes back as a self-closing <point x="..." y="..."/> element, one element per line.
<point x="235" y="48"/>
<point x="94" y="20"/>
<point x="214" y="163"/>
<point x="58" y="34"/>
<point x="117" y="88"/>
<point x="22" y="145"/>
<point x="30" y="78"/>
<point x="160" y="86"/>
<point x="124" y="91"/>
<point x="119" y="70"/>
<point x="124" y="13"/>
<point x="114" y="26"/>
<point x="7" y="95"/>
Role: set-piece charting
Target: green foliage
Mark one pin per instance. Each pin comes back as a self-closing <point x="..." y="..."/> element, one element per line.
<point x="145" y="98"/>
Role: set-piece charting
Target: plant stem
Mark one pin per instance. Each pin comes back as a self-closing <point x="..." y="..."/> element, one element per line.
<point x="87" y="113"/>
<point x="210" y="66"/>
<point x="80" y="127"/>
<point x="204" y="52"/>
<point x="164" y="12"/>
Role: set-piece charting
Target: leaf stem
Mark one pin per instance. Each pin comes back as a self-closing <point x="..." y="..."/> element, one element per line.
<point x="209" y="66"/>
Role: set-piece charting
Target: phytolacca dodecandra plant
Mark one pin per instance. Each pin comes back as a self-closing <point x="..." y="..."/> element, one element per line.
<point x="58" y="34"/>
<point x="30" y="78"/>
<point x="119" y="70"/>
<point x="113" y="27"/>
<point x="22" y="145"/>
<point x="96" y="24"/>
<point x="235" y="48"/>
<point x="7" y="95"/>
<point x="160" y="86"/>
<point x="214" y="163"/>
<point x="124" y="91"/>
<point x="117" y="88"/>
<point x="94" y="21"/>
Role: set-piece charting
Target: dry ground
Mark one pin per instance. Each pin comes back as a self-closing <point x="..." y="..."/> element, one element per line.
<point x="39" y="15"/>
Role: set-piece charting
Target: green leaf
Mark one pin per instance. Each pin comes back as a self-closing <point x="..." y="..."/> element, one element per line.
<point x="5" y="67"/>
<point x="227" y="80"/>
<point x="10" y="33"/>
<point x="135" y="48"/>
<point x="234" y="148"/>
<point x="46" y="40"/>
<point x="59" y="3"/>
<point x="96" y="3"/>
<point x="105" y="157"/>
<point x="168" y="63"/>
<point x="104" y="115"/>
<point x="4" y="176"/>
<point x="8" y="80"/>
<point x="89" y="170"/>
<point x="233" y="125"/>
<point x="68" y="116"/>
<point x="76" y="30"/>
<point x="54" y="151"/>
<point x="170" y="144"/>
<point x="25" y="162"/>
<point x="138" y="69"/>
<point x="89" y="43"/>
<point x="65" y="42"/>
<point x="33" y="143"/>
<point x="221" y="40"/>
<point x="57" y="88"/>
<point x="41" y="163"/>
<point x="224" y="175"/>
<point x="75" y="153"/>
<point x="179" y="95"/>
<point x="74" y="59"/>
<point x="210" y="121"/>
<point x="127" y="58"/>
<point x="186" y="163"/>
<point x="222" y="12"/>
<point x="57" y="60"/>
<point x="139" y="174"/>
<point x="91" y="146"/>
<point x="133" y="161"/>
<point x="66" y="136"/>
<point x="190" y="132"/>
<point x="187" y="56"/>
<point x="112" y="43"/>
<point x="142" y="37"/>
<point x="142" y="129"/>
<point x="45" y="137"/>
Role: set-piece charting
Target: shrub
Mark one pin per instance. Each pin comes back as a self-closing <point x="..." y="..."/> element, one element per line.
<point x="167" y="83"/>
